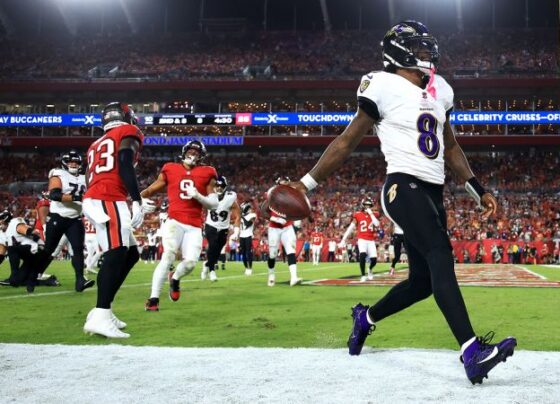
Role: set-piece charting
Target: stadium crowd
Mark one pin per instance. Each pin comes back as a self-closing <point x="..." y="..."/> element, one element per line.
<point x="265" y="55"/>
<point x="529" y="196"/>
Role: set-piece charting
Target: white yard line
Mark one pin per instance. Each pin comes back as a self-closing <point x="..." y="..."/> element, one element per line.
<point x="531" y="272"/>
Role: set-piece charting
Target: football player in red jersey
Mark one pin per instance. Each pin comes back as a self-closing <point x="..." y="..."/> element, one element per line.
<point x="365" y="221"/>
<point x="282" y="231"/>
<point x="111" y="178"/>
<point x="190" y="187"/>
<point x="316" y="245"/>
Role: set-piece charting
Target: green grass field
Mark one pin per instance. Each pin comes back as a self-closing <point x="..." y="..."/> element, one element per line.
<point x="241" y="311"/>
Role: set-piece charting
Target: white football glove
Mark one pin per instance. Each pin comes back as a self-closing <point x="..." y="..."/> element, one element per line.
<point x="137" y="214"/>
<point x="369" y="212"/>
<point x="148" y="206"/>
<point x="191" y="191"/>
<point x="342" y="245"/>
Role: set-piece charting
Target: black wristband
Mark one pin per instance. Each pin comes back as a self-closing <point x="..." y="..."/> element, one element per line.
<point x="35" y="237"/>
<point x="473" y="182"/>
<point x="2" y="258"/>
<point x="55" y="194"/>
<point x="29" y="232"/>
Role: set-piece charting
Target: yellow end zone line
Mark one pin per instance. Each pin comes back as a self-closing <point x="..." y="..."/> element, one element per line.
<point x="136" y="285"/>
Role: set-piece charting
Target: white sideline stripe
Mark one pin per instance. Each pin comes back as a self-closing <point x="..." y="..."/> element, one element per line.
<point x="102" y="374"/>
<point x="552" y="266"/>
<point x="531" y="272"/>
<point x="137" y="285"/>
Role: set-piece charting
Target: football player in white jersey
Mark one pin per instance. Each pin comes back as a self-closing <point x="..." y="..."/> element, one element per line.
<point x="66" y="188"/>
<point x="217" y="226"/>
<point x="25" y="250"/>
<point x="409" y="106"/>
<point x="248" y="218"/>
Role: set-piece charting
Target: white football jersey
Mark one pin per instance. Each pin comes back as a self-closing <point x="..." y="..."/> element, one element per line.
<point x="12" y="234"/>
<point x="247" y="224"/>
<point x="162" y="218"/>
<point x="71" y="184"/>
<point x="410" y="127"/>
<point x="3" y="239"/>
<point x="221" y="216"/>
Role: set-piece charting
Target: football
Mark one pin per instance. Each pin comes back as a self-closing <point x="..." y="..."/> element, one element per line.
<point x="288" y="202"/>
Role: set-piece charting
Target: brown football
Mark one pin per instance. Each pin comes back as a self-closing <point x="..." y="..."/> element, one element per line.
<point x="288" y="202"/>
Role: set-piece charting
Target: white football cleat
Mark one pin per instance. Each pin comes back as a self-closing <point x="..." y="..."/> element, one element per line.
<point x="118" y="323"/>
<point x="248" y="272"/>
<point x="204" y="272"/>
<point x="213" y="276"/>
<point x="370" y="277"/>
<point x="99" y="321"/>
<point x="295" y="281"/>
<point x="271" y="280"/>
<point x="363" y="279"/>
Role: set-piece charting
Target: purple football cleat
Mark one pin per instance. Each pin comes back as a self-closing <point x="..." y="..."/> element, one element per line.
<point x="360" y="329"/>
<point x="480" y="357"/>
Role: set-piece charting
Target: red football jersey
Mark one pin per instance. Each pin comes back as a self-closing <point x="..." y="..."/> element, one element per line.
<point x="364" y="226"/>
<point x="90" y="228"/>
<point x="177" y="177"/>
<point x="272" y="223"/>
<point x="38" y="225"/>
<point x="316" y="238"/>
<point x="104" y="181"/>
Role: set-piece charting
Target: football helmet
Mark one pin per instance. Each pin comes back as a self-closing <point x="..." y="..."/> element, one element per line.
<point x="283" y="180"/>
<point x="191" y="159"/>
<point x="164" y="206"/>
<point x="5" y="217"/>
<point x="366" y="203"/>
<point x="246" y="207"/>
<point x="221" y="185"/>
<point x="410" y="45"/>
<point x="116" y="114"/>
<point x="71" y="157"/>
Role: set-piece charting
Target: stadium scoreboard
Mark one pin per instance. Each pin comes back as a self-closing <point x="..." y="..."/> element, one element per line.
<point x="187" y="119"/>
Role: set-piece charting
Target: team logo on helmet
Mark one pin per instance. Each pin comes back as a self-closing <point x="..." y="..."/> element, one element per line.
<point x="410" y="45"/>
<point x="72" y="157"/>
<point x="283" y="180"/>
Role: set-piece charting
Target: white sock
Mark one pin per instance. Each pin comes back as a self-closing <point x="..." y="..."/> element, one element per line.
<point x="182" y="270"/>
<point x="271" y="271"/>
<point x="369" y="320"/>
<point x="466" y="345"/>
<point x="293" y="270"/>
<point x="159" y="277"/>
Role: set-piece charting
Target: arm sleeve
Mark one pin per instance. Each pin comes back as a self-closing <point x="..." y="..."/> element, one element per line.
<point x="349" y="231"/>
<point x="128" y="174"/>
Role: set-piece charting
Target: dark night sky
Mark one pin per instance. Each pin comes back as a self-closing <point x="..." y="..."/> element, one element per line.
<point x="29" y="17"/>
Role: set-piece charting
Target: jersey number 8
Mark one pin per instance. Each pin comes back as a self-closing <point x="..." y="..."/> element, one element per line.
<point x="428" y="142"/>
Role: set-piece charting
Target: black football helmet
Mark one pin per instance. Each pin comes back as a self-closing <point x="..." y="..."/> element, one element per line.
<point x="221" y="184"/>
<point x="5" y="217"/>
<point x="410" y="45"/>
<point x="246" y="207"/>
<point x="196" y="145"/>
<point x="283" y="180"/>
<point x="71" y="157"/>
<point x="366" y="203"/>
<point x="117" y="113"/>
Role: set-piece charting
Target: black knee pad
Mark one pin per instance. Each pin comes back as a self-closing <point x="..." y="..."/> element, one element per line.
<point x="133" y="255"/>
<point x="292" y="259"/>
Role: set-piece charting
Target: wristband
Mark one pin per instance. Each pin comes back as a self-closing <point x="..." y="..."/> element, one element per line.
<point x="474" y="189"/>
<point x="309" y="182"/>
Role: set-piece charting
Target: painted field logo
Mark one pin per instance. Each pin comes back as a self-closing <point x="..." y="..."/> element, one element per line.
<point x="504" y="275"/>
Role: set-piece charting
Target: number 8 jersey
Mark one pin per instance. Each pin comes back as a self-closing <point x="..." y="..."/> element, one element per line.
<point x="104" y="181"/>
<point x="409" y="122"/>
